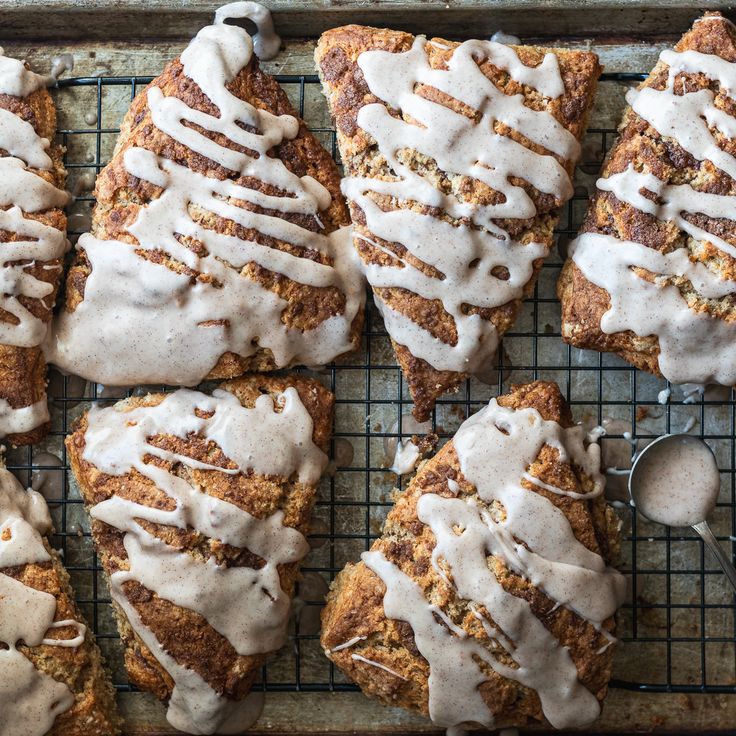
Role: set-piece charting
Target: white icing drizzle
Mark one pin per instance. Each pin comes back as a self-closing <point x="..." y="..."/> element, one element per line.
<point x="692" y="392"/>
<point x="406" y="457"/>
<point x="24" y="418"/>
<point x="21" y="141"/>
<point x="15" y="79"/>
<point x="30" y="700"/>
<point x="468" y="148"/>
<point x="194" y="706"/>
<point x="372" y="663"/>
<point x="349" y="643"/>
<point x="77" y="641"/>
<point x="694" y="346"/>
<point x="60" y="64"/>
<point x="247" y="606"/>
<point x="534" y="539"/>
<point x="596" y="433"/>
<point x="505" y="38"/>
<point x="687" y="118"/>
<point x="266" y="42"/>
<point x="22" y="190"/>
<point x="672" y="201"/>
<point x="142" y="322"/>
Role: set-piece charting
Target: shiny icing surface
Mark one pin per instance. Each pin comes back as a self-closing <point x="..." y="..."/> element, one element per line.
<point x="23" y="192"/>
<point x="266" y="42"/>
<point x="695" y="347"/>
<point x="478" y="261"/>
<point x="534" y="539"/>
<point x="245" y="605"/>
<point x="30" y="700"/>
<point x="142" y="322"/>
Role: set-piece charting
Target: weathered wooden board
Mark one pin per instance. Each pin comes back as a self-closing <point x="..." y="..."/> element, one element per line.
<point x="151" y="19"/>
<point x="338" y="713"/>
<point x="109" y="38"/>
<point x="110" y="58"/>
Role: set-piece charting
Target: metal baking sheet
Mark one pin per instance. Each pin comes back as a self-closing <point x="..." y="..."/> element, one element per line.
<point x="676" y="668"/>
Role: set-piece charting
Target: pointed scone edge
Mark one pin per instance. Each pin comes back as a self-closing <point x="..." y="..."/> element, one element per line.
<point x="344" y="85"/>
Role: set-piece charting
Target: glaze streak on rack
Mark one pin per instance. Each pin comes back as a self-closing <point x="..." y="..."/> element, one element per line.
<point x="367" y="438"/>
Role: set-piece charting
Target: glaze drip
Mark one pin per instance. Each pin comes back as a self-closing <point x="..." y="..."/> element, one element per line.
<point x="247" y="606"/>
<point x="266" y="42"/>
<point x="693" y="345"/>
<point x="23" y="191"/>
<point x="467" y="147"/>
<point x="16" y="79"/>
<point x="30" y="700"/>
<point x="534" y="539"/>
<point x="661" y="294"/>
<point x="141" y="321"/>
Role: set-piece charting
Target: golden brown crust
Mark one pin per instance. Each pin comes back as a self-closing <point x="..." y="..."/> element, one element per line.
<point x="94" y="712"/>
<point x="121" y="195"/>
<point x="23" y="370"/>
<point x="355" y="602"/>
<point x="201" y="648"/>
<point x="640" y="145"/>
<point x="336" y="57"/>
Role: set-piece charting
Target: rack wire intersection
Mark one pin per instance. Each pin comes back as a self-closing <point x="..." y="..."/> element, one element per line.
<point x="678" y="628"/>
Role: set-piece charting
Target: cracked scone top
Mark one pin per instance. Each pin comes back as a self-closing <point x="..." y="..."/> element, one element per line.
<point x="199" y="506"/>
<point x="458" y="157"/>
<point x="216" y="244"/>
<point x="489" y="599"/>
<point x="43" y="690"/>
<point x="652" y="276"/>
<point x="33" y="241"/>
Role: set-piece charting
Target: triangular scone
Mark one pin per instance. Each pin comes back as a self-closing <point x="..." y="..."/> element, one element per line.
<point x="32" y="242"/>
<point x="488" y="599"/>
<point x="51" y="678"/>
<point x="652" y="275"/>
<point x="216" y="244"/>
<point x="199" y="509"/>
<point x="458" y="157"/>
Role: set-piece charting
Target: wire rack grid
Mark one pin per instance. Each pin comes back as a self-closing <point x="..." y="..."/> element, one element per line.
<point x="678" y="628"/>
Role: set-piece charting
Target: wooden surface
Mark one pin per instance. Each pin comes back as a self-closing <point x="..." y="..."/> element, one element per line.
<point x="155" y="19"/>
<point x="327" y="713"/>
<point x="625" y="711"/>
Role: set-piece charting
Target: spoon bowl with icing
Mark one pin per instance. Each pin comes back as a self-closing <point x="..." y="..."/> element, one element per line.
<point x="675" y="481"/>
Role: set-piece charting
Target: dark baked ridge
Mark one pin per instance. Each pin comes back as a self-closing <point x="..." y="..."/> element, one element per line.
<point x="355" y="602"/>
<point x="585" y="303"/>
<point x="23" y="370"/>
<point x="336" y="57"/>
<point x="120" y="195"/>
<point x="94" y="712"/>
<point x="186" y="635"/>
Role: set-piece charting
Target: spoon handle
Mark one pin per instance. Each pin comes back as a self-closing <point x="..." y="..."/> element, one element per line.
<point x="711" y="542"/>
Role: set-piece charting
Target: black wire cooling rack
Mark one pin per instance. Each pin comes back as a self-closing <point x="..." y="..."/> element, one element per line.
<point x="678" y="628"/>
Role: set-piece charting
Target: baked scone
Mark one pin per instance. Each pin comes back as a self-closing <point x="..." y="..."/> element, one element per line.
<point x="33" y="242"/>
<point x="489" y="600"/>
<point x="216" y="244"/>
<point x="652" y="276"/>
<point x="458" y="157"/>
<point x="51" y="678"/>
<point x="199" y="509"/>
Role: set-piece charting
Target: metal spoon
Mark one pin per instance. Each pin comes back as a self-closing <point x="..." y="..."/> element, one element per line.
<point x="671" y="457"/>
